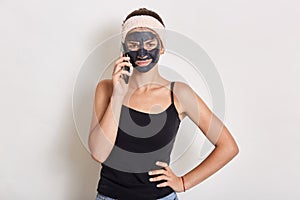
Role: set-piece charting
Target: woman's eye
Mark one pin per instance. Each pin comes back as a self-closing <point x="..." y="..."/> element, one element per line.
<point x="151" y="45"/>
<point x="133" y="46"/>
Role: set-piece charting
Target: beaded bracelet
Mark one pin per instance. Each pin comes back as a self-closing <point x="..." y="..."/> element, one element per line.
<point x="183" y="183"/>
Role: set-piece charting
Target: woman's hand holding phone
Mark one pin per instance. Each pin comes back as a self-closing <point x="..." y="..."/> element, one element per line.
<point x="122" y="71"/>
<point x="126" y="77"/>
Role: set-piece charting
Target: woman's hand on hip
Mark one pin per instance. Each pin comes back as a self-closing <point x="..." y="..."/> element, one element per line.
<point x="167" y="174"/>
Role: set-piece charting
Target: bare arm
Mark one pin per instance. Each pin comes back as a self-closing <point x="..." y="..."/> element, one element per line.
<point x="225" y="146"/>
<point x="108" y="101"/>
<point x="104" y="126"/>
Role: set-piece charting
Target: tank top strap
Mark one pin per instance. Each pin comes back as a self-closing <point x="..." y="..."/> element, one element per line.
<point x="172" y="86"/>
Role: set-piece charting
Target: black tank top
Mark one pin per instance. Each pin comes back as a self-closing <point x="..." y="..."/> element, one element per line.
<point x="142" y="139"/>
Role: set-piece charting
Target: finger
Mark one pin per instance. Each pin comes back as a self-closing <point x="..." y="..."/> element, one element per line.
<point x="164" y="184"/>
<point x="125" y="72"/>
<point x="160" y="171"/>
<point x="159" y="178"/>
<point x="162" y="164"/>
<point x="119" y="75"/>
<point x="120" y="65"/>
<point x="122" y="59"/>
<point x="131" y="70"/>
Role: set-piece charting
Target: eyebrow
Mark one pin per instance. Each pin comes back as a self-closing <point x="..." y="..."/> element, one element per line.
<point x="133" y="41"/>
<point x="150" y="40"/>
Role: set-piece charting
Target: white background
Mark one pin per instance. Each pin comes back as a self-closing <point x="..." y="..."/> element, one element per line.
<point x="254" y="45"/>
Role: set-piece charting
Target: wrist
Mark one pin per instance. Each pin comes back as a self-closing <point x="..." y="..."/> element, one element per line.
<point x="116" y="98"/>
<point x="183" y="184"/>
<point x="115" y="95"/>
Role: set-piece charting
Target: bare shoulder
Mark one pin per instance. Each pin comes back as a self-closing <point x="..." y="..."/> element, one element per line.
<point x="101" y="100"/>
<point x="186" y="97"/>
<point x="103" y="93"/>
<point x="181" y="92"/>
<point x="104" y="88"/>
<point x="182" y="88"/>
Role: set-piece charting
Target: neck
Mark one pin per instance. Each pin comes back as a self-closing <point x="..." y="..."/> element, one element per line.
<point x="144" y="81"/>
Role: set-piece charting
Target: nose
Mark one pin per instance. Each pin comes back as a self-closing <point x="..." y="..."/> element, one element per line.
<point x="142" y="53"/>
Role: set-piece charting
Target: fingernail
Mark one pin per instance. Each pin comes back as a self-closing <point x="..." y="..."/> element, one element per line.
<point x="149" y="173"/>
<point x="157" y="162"/>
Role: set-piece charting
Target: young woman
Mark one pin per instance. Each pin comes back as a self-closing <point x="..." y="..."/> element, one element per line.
<point x="135" y="123"/>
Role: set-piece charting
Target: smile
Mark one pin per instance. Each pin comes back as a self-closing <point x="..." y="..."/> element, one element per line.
<point x="143" y="62"/>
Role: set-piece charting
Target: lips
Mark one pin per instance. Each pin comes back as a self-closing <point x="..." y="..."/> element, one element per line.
<point x="143" y="62"/>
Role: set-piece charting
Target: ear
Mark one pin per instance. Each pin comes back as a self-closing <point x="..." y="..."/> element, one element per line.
<point x="162" y="49"/>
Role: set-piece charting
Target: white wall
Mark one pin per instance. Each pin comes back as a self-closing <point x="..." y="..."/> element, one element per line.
<point x="254" y="45"/>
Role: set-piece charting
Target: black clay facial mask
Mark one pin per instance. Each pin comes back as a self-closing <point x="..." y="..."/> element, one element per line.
<point x="143" y="49"/>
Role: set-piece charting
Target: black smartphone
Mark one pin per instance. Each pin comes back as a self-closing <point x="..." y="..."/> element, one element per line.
<point x="125" y="76"/>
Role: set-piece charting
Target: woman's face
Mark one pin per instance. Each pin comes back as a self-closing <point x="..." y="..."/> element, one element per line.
<point x="143" y="47"/>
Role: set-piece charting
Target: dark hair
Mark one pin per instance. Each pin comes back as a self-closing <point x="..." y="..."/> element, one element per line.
<point x="145" y="11"/>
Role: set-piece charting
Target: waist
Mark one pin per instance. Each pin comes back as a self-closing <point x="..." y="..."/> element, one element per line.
<point x="124" y="185"/>
<point x="172" y="195"/>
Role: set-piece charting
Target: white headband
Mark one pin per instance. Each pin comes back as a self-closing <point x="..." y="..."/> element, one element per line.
<point x="143" y="21"/>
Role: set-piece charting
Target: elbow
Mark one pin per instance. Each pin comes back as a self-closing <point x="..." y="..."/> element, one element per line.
<point x="97" y="158"/>
<point x="234" y="150"/>
<point x="98" y="155"/>
<point x="99" y="151"/>
<point x="230" y="150"/>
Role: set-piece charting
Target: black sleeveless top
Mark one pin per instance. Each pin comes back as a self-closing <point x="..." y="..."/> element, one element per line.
<point x="142" y="139"/>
